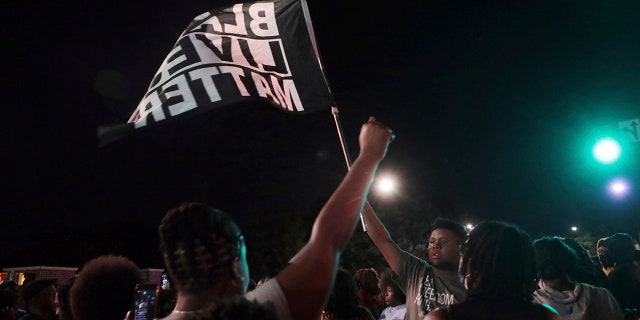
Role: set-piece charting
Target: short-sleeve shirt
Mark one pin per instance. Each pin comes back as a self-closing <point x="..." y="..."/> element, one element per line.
<point x="271" y="292"/>
<point x="394" y="313"/>
<point x="426" y="287"/>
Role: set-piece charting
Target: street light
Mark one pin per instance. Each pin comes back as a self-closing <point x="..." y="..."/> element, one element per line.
<point x="618" y="188"/>
<point x="606" y="150"/>
<point x="385" y="185"/>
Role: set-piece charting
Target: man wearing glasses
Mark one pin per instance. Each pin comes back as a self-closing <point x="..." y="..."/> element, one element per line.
<point x="426" y="284"/>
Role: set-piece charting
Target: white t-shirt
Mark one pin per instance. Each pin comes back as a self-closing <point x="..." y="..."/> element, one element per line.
<point x="270" y="292"/>
<point x="394" y="313"/>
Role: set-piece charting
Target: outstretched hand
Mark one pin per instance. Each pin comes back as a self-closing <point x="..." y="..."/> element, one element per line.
<point x="375" y="138"/>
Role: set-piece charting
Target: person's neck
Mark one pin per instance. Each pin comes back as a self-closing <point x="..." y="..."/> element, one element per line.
<point x="193" y="301"/>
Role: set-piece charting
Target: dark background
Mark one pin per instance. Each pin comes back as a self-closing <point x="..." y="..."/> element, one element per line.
<point x="494" y="104"/>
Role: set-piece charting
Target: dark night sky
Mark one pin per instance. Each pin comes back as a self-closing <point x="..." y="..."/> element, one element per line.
<point x="492" y="102"/>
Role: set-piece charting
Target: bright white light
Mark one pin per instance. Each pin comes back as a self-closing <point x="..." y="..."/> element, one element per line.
<point x="574" y="228"/>
<point x="386" y="185"/>
<point x="618" y="188"/>
<point x="469" y="227"/>
<point x="606" y="150"/>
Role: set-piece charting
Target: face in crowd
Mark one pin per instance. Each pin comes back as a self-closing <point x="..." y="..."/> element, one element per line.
<point x="444" y="249"/>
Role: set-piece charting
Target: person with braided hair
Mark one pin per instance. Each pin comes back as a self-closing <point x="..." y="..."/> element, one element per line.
<point x="205" y="254"/>
<point x="499" y="268"/>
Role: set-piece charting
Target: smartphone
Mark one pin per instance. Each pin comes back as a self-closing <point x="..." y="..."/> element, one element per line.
<point x="144" y="301"/>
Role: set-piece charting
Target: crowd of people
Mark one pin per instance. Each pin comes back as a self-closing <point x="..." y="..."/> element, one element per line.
<point x="493" y="271"/>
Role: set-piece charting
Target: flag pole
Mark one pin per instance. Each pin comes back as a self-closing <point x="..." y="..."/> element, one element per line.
<point x="345" y="151"/>
<point x="334" y="109"/>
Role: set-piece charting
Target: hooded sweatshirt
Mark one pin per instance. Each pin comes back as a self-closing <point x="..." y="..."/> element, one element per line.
<point x="585" y="302"/>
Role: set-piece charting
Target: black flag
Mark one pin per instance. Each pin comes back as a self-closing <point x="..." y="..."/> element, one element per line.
<point x="260" y="50"/>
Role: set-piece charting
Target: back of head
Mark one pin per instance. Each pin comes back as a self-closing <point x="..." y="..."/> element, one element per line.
<point x="344" y="300"/>
<point x="451" y="225"/>
<point x="501" y="261"/>
<point x="103" y="289"/>
<point x="582" y="254"/>
<point x="31" y="290"/>
<point x="621" y="248"/>
<point x="368" y="284"/>
<point x="586" y="271"/>
<point x="367" y="280"/>
<point x="554" y="258"/>
<point x="198" y="244"/>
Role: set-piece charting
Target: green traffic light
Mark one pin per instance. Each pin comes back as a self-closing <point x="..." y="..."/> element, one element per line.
<point x="606" y="150"/>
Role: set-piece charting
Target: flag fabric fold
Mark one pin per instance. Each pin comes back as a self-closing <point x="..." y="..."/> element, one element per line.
<point x="250" y="51"/>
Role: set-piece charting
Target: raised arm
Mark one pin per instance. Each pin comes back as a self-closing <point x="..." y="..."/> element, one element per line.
<point x="307" y="280"/>
<point x="381" y="238"/>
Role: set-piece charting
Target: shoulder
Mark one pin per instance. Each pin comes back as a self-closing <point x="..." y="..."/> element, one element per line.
<point x="598" y="292"/>
<point x="410" y="258"/>
<point x="412" y="263"/>
<point x="437" y="314"/>
<point x="271" y="292"/>
<point x="364" y="313"/>
<point x="588" y="288"/>
<point x="411" y="267"/>
<point x="268" y="291"/>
